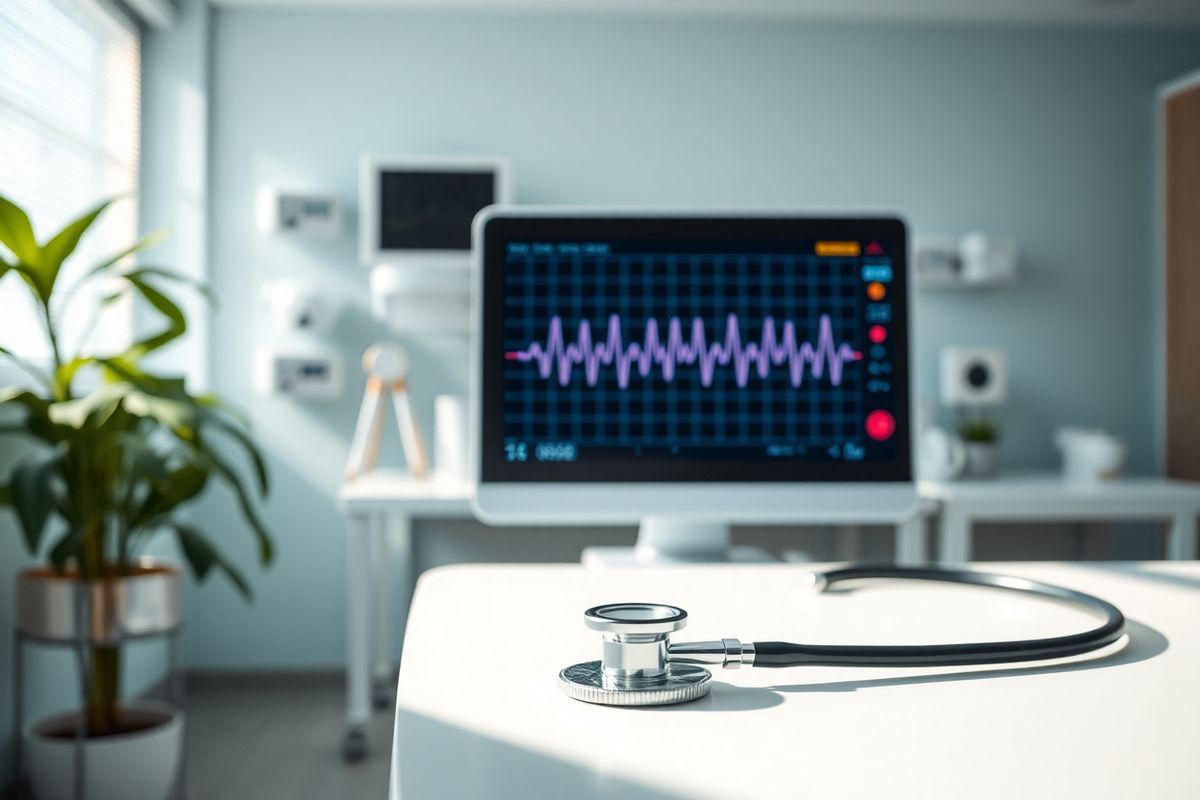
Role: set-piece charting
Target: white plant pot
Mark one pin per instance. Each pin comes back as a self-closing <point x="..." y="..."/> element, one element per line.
<point x="127" y="766"/>
<point x="983" y="460"/>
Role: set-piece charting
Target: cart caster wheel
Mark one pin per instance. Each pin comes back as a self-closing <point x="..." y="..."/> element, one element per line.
<point x="354" y="745"/>
<point x="381" y="698"/>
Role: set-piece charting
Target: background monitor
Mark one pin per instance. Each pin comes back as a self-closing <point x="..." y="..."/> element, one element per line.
<point x="419" y="209"/>
<point x="730" y="367"/>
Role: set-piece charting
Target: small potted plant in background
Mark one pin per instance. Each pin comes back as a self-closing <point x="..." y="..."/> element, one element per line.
<point x="981" y="438"/>
<point x="107" y="470"/>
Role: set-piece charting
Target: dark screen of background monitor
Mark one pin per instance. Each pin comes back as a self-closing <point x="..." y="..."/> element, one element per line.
<point x="431" y="210"/>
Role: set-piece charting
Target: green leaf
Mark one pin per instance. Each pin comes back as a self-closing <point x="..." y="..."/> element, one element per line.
<point x="76" y="413"/>
<point x="37" y="414"/>
<point x="172" y="275"/>
<point x="16" y="232"/>
<point x="32" y="490"/>
<point x="32" y="280"/>
<point x="248" y="445"/>
<point x="67" y="546"/>
<point x="65" y="374"/>
<point x="28" y="367"/>
<point x="144" y="462"/>
<point x="177" y="415"/>
<point x="266" y="550"/>
<point x="120" y="368"/>
<point x="150" y="240"/>
<point x="212" y="401"/>
<point x="202" y="555"/>
<point x="174" y="488"/>
<point x="176" y="322"/>
<point x="56" y="251"/>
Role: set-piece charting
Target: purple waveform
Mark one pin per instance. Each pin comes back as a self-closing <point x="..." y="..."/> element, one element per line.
<point x="771" y="350"/>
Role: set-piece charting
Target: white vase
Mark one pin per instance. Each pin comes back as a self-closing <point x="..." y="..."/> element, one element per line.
<point x="127" y="766"/>
<point x="53" y="607"/>
<point x="983" y="460"/>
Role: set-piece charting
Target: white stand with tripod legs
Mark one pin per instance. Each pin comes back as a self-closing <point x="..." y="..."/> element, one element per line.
<point x="386" y="365"/>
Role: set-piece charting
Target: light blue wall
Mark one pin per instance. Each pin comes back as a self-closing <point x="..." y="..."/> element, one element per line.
<point x="1045" y="136"/>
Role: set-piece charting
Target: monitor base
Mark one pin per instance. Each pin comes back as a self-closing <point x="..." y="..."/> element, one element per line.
<point x="666" y="540"/>
<point x="618" y="557"/>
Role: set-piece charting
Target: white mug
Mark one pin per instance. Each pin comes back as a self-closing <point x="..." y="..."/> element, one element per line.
<point x="941" y="456"/>
<point x="449" y="438"/>
<point x="1089" y="456"/>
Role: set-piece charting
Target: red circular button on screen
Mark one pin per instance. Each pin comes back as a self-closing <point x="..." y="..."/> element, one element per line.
<point x="877" y="334"/>
<point x="880" y="425"/>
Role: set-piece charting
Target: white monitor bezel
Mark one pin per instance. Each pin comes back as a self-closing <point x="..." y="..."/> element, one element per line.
<point x="371" y="165"/>
<point x="630" y="503"/>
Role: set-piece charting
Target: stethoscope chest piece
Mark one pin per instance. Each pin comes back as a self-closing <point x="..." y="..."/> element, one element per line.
<point x="680" y="683"/>
<point x="635" y="670"/>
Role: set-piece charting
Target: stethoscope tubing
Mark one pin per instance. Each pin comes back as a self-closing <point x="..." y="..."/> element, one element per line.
<point x="789" y="654"/>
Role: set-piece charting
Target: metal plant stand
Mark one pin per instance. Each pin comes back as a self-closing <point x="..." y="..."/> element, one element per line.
<point x="81" y="643"/>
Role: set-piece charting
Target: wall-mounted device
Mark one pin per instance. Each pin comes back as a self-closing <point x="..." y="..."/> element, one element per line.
<point x="935" y="258"/>
<point x="421" y="299"/>
<point x="973" y="376"/>
<point x="415" y="234"/>
<point x="417" y="210"/>
<point x="306" y="373"/>
<point x="973" y="260"/>
<point x="986" y="258"/>
<point x="317" y="216"/>
<point x="299" y="307"/>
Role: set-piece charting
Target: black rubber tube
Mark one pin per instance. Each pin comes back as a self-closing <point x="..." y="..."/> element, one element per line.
<point x="787" y="654"/>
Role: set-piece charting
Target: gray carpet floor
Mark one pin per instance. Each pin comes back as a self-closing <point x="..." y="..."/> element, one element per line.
<point x="268" y="736"/>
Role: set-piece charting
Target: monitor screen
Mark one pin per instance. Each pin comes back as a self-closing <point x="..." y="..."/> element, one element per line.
<point x="633" y="349"/>
<point x="431" y="209"/>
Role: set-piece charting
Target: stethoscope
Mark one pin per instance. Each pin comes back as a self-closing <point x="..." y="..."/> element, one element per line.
<point x="640" y="666"/>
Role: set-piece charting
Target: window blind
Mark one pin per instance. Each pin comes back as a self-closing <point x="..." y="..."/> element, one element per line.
<point x="69" y="130"/>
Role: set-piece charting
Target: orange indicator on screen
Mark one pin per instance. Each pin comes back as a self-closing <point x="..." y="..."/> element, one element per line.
<point x="876" y="290"/>
<point x="838" y="248"/>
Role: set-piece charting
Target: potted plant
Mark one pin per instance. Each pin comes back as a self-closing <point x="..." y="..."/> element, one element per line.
<point x="981" y="438"/>
<point x="115" y="452"/>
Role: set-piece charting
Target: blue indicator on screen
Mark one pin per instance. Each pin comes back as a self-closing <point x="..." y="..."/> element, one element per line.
<point x="877" y="272"/>
<point x="879" y="312"/>
<point x="556" y="451"/>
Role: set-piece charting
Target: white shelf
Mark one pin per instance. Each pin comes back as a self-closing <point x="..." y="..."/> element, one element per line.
<point x="952" y="282"/>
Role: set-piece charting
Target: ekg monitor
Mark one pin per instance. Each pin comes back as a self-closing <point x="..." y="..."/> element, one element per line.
<point x="419" y="209"/>
<point x="723" y="366"/>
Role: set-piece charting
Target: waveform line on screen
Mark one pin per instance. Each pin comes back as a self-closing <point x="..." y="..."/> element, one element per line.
<point x="773" y="349"/>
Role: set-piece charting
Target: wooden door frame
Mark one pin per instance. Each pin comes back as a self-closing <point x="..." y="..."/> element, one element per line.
<point x="1168" y="90"/>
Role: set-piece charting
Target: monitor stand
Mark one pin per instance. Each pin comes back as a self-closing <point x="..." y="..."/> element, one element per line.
<point x="664" y="541"/>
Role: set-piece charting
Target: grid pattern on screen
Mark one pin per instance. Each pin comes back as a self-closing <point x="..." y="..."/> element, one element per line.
<point x="682" y="412"/>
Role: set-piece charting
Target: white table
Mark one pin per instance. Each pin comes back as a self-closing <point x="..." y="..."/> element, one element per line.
<point x="480" y="713"/>
<point x="1045" y="496"/>
<point x="381" y="508"/>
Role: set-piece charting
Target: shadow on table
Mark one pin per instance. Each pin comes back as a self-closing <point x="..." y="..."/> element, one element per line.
<point x="1142" y="643"/>
<point x="722" y="697"/>
<point x="439" y="760"/>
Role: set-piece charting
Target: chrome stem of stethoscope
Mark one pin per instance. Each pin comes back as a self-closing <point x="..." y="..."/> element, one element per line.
<point x="727" y="653"/>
